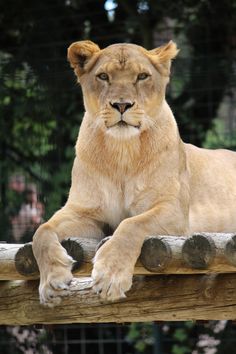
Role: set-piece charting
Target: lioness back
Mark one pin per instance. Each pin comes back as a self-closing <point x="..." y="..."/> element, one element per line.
<point x="212" y="189"/>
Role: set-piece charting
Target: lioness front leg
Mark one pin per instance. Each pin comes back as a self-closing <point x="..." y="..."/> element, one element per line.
<point x="54" y="263"/>
<point x="114" y="262"/>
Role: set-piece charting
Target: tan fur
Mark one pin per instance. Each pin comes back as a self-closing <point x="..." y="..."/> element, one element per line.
<point x="141" y="179"/>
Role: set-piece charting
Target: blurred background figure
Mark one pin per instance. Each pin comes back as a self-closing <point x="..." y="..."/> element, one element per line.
<point x="29" y="216"/>
<point x="17" y="183"/>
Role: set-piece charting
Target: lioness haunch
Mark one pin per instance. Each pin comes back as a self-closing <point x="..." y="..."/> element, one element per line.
<point x="131" y="171"/>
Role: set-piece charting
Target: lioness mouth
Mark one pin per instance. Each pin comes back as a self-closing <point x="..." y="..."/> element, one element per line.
<point x="122" y="123"/>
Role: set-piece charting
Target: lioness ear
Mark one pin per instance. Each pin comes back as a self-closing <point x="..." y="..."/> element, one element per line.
<point x="80" y="54"/>
<point x="161" y="57"/>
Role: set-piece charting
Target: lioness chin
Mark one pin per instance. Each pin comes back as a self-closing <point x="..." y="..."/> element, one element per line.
<point x="131" y="171"/>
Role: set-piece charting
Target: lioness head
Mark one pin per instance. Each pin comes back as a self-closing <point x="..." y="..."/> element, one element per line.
<point x="123" y="85"/>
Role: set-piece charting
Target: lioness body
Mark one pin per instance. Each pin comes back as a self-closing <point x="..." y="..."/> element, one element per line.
<point x="212" y="189"/>
<point x="131" y="171"/>
<point x="208" y="183"/>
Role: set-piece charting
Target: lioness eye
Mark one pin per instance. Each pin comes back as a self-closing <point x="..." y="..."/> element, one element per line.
<point x="103" y="76"/>
<point x="142" y="76"/>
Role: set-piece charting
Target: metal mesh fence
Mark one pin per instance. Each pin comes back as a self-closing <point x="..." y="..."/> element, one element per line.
<point x="150" y="338"/>
<point x="40" y="112"/>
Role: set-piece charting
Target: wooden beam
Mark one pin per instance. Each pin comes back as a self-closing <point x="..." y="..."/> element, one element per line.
<point x="155" y="298"/>
<point x="200" y="253"/>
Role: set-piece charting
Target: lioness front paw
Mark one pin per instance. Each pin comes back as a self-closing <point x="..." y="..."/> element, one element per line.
<point x="55" y="282"/>
<point x="112" y="276"/>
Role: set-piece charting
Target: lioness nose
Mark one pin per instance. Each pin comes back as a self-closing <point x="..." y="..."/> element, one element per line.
<point x="121" y="106"/>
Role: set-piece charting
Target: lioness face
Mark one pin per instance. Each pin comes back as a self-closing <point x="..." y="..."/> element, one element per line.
<point x="123" y="85"/>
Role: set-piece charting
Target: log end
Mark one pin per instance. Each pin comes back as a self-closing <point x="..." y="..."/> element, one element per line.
<point x="25" y="262"/>
<point x="198" y="251"/>
<point x="230" y="250"/>
<point x="155" y="254"/>
<point x="74" y="248"/>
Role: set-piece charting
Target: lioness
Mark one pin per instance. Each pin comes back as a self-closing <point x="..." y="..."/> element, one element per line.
<point x="131" y="171"/>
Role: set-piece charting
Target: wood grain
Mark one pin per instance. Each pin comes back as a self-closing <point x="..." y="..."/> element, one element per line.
<point x="155" y="298"/>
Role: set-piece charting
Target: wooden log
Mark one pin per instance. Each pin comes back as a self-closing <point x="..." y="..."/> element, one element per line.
<point x="230" y="250"/>
<point x="156" y="254"/>
<point x="156" y="298"/>
<point x="26" y="264"/>
<point x="17" y="261"/>
<point x="8" y="269"/>
<point x="201" y="253"/>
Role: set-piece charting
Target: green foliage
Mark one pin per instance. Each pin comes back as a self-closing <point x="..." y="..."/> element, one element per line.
<point x="180" y="337"/>
<point x="27" y="140"/>
<point x="141" y="336"/>
<point x="26" y="124"/>
<point x="28" y="128"/>
<point x="217" y="137"/>
<point x="180" y="349"/>
<point x="180" y="334"/>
